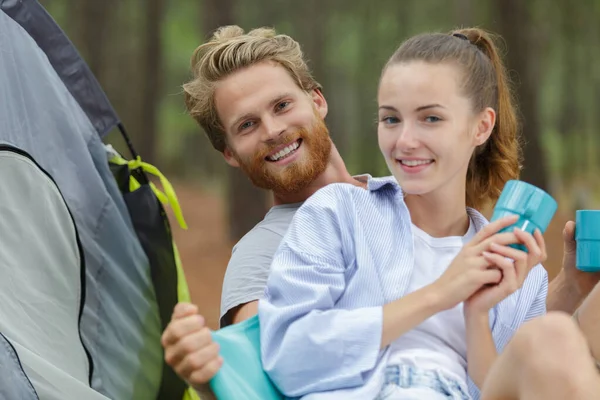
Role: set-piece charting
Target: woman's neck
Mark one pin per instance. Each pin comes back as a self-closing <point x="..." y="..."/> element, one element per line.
<point x="439" y="216"/>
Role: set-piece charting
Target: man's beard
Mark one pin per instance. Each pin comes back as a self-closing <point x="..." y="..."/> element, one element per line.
<point x="296" y="176"/>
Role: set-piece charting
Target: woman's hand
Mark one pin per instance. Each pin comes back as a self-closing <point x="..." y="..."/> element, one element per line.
<point x="514" y="265"/>
<point x="470" y="270"/>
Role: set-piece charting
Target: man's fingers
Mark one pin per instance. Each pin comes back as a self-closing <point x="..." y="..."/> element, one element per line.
<point x="180" y="328"/>
<point x="570" y="246"/>
<point x="205" y="374"/>
<point x="184" y="309"/>
<point x="198" y="360"/>
<point x="189" y="344"/>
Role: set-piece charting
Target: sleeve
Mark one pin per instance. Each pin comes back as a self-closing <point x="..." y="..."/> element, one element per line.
<point x="307" y="344"/>
<point x="248" y="269"/>
<point x="529" y="302"/>
<point x="538" y="306"/>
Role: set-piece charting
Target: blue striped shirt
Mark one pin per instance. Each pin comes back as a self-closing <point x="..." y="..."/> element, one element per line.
<point x="348" y="252"/>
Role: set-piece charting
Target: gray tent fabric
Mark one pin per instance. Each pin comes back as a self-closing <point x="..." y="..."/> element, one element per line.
<point x="41" y="288"/>
<point x="14" y="384"/>
<point x="120" y="325"/>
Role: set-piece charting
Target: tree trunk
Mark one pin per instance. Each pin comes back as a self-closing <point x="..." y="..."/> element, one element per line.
<point x="570" y="122"/>
<point x="89" y="23"/>
<point x="247" y="204"/>
<point x="152" y="79"/>
<point x="514" y="22"/>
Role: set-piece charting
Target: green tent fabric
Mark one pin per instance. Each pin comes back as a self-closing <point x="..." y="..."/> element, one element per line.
<point x="89" y="271"/>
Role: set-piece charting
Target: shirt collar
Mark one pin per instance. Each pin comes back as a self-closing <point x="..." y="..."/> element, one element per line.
<point x="375" y="184"/>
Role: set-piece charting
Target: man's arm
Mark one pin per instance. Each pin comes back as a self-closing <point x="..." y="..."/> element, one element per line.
<point x="244" y="311"/>
<point x="571" y="286"/>
<point x="194" y="355"/>
<point x="563" y="295"/>
<point x="239" y="314"/>
<point x="247" y="273"/>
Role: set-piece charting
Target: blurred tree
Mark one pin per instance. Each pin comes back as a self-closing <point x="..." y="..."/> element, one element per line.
<point x="88" y="27"/>
<point x="247" y="204"/>
<point x="313" y="36"/>
<point x="152" y="81"/>
<point x="570" y="115"/>
<point x="515" y="26"/>
<point x="464" y="13"/>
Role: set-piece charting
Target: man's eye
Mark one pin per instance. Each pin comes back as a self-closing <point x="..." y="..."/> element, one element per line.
<point x="282" y="105"/>
<point x="246" y="125"/>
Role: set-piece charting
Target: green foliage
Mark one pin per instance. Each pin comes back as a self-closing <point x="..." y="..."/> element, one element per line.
<point x="356" y="39"/>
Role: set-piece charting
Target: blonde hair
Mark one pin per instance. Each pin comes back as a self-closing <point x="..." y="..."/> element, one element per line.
<point x="230" y="50"/>
<point x="486" y="83"/>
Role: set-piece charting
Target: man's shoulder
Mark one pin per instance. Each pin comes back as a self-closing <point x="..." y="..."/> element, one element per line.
<point x="248" y="268"/>
<point x="273" y="225"/>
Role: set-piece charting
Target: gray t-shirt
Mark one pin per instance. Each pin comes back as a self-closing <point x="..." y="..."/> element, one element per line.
<point x="248" y="269"/>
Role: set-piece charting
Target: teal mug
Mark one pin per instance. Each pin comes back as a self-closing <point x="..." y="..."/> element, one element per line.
<point x="534" y="207"/>
<point x="587" y="235"/>
<point x="242" y="375"/>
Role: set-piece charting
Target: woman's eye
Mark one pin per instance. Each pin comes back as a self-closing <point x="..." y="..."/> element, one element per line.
<point x="390" y="120"/>
<point x="432" y="119"/>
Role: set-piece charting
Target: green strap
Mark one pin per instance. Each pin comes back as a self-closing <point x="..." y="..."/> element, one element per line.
<point x="167" y="197"/>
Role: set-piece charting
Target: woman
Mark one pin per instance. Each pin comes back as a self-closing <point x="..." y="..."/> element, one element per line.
<point x="390" y="292"/>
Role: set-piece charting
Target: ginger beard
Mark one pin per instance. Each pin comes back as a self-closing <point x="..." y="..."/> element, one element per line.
<point x="296" y="176"/>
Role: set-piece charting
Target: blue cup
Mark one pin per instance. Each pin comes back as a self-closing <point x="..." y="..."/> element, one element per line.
<point x="534" y="207"/>
<point x="587" y="235"/>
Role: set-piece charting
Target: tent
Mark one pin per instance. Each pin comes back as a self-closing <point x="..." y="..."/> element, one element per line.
<point x="89" y="274"/>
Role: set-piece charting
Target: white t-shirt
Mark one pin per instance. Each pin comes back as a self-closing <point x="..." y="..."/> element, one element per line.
<point x="439" y="343"/>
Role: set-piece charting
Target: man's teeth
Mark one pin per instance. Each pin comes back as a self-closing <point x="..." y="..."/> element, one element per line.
<point x="414" y="163"/>
<point x="284" y="152"/>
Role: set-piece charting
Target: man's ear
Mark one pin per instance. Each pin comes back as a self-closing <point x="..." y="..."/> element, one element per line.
<point x="229" y="158"/>
<point x="319" y="102"/>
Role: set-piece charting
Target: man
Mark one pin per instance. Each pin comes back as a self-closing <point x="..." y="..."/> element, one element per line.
<point x="256" y="100"/>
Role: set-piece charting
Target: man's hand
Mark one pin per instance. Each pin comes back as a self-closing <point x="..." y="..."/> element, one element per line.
<point x="582" y="282"/>
<point x="189" y="348"/>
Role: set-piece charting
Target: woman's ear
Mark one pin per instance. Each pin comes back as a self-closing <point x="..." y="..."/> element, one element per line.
<point x="485" y="126"/>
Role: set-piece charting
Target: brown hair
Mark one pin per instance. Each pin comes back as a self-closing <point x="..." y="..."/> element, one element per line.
<point x="230" y="50"/>
<point x="486" y="83"/>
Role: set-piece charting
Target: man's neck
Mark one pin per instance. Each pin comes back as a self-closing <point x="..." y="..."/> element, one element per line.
<point x="335" y="172"/>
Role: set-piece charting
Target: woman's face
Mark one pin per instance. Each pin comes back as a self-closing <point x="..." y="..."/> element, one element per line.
<point x="427" y="129"/>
